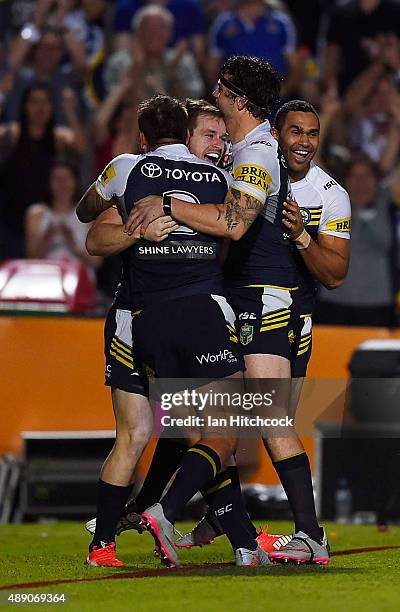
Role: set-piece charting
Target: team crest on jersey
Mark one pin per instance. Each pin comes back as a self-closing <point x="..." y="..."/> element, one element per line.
<point x="108" y="174"/>
<point x="305" y="215"/>
<point x="252" y="174"/>
<point x="246" y="334"/>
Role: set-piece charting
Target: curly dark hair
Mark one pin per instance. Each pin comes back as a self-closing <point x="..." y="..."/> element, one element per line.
<point x="257" y="80"/>
<point x="163" y="120"/>
<point x="195" y="108"/>
<point x="293" y="106"/>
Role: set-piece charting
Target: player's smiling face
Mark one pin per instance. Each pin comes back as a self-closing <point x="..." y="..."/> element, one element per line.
<point x="208" y="138"/>
<point x="299" y="140"/>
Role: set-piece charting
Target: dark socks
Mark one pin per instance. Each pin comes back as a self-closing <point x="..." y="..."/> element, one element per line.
<point x="234" y="474"/>
<point x="224" y="498"/>
<point x="166" y="459"/>
<point x="295" y="476"/>
<point x="111" y="500"/>
<point x="199" y="465"/>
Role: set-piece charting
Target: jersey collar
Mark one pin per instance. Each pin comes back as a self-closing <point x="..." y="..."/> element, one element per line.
<point x="259" y="132"/>
<point x="175" y="149"/>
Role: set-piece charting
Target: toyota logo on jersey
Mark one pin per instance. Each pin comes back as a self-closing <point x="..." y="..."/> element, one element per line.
<point x="151" y="170"/>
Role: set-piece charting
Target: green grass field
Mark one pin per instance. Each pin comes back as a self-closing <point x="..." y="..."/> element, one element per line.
<point x="367" y="581"/>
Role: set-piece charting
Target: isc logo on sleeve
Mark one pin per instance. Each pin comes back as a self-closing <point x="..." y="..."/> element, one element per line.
<point x="253" y="175"/>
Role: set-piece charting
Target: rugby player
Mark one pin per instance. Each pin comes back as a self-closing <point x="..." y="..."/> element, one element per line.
<point x="157" y="278"/>
<point x="260" y="270"/>
<point x="318" y="220"/>
<point x="207" y="138"/>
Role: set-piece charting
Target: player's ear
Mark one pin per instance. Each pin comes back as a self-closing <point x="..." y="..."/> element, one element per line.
<point x="187" y="137"/>
<point x="275" y="133"/>
<point x="241" y="103"/>
<point x="143" y="144"/>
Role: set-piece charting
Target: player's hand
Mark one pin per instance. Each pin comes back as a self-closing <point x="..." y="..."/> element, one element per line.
<point x="145" y="211"/>
<point x="159" y="229"/>
<point x="292" y="219"/>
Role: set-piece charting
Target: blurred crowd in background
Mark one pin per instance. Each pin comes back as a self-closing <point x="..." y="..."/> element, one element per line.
<point x="72" y="73"/>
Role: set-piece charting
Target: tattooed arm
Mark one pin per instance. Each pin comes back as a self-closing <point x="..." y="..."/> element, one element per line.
<point x="231" y="219"/>
<point x="91" y="205"/>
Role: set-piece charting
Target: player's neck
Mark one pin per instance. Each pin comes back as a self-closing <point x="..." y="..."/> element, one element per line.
<point x="295" y="177"/>
<point x="239" y="127"/>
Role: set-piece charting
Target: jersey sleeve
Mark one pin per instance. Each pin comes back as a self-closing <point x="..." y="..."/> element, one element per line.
<point x="256" y="171"/>
<point x="336" y="215"/>
<point x="112" y="181"/>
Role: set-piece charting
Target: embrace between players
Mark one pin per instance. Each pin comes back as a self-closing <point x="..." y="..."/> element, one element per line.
<point x="256" y="312"/>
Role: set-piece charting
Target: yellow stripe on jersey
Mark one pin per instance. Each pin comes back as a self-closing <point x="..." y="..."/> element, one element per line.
<point x="203" y="453"/>
<point x="126" y="348"/>
<point x="303" y="350"/>
<point x="339" y="225"/>
<point x="276" y="319"/>
<point x="277" y="313"/>
<point x="269" y="327"/>
<point x="121" y="352"/>
<point x="303" y="316"/>
<point x="254" y="175"/>
<point x="119" y="358"/>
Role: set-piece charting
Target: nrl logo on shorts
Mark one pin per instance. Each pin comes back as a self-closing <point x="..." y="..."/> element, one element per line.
<point x="246" y="334"/>
<point x="151" y="170"/>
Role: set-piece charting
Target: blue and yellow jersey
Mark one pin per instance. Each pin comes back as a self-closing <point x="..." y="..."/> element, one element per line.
<point x="263" y="256"/>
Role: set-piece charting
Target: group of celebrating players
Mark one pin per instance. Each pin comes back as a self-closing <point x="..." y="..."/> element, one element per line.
<point x="214" y="264"/>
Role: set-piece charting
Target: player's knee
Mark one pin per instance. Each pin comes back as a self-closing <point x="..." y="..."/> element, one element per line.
<point x="139" y="436"/>
<point x="133" y="439"/>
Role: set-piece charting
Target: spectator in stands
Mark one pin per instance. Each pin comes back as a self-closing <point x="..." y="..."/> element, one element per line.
<point x="189" y="23"/>
<point x="27" y="150"/>
<point x="155" y="67"/>
<point x="52" y="227"/>
<point x="367" y="296"/>
<point x="371" y="107"/>
<point x="86" y="31"/>
<point x="47" y="54"/>
<point x="352" y="38"/>
<point x="256" y="29"/>
<point x="115" y="122"/>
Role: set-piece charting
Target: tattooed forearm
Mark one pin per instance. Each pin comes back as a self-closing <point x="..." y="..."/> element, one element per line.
<point x="219" y="208"/>
<point x="237" y="213"/>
